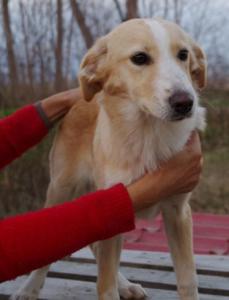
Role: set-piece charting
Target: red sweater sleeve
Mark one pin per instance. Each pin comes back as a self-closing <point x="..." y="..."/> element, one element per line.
<point x="36" y="239"/>
<point x="19" y="132"/>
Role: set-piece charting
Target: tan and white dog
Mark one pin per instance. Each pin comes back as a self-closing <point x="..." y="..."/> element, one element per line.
<point x="143" y="80"/>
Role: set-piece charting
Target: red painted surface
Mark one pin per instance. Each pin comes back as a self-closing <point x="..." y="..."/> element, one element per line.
<point x="211" y="235"/>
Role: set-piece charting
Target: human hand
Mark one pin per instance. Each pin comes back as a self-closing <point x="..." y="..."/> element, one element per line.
<point x="177" y="176"/>
<point x="56" y="106"/>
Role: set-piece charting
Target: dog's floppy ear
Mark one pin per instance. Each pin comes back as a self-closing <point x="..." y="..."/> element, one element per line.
<point x="198" y="66"/>
<point x="92" y="70"/>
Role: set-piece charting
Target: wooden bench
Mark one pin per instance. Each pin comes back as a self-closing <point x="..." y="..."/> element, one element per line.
<point x="74" y="278"/>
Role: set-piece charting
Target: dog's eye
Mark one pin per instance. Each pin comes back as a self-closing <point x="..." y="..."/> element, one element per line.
<point x="140" y="58"/>
<point x="183" y="54"/>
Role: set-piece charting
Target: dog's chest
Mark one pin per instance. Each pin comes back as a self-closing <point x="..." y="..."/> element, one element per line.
<point x="143" y="153"/>
<point x="128" y="155"/>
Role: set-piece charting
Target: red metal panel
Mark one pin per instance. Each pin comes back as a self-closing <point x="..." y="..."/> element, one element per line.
<point x="211" y="235"/>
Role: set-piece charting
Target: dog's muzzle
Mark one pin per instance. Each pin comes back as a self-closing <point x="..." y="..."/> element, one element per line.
<point x="181" y="104"/>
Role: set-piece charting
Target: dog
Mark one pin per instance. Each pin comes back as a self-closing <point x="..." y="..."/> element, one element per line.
<point x="141" y="84"/>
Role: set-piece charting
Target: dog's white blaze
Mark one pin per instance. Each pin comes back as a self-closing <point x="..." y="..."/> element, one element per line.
<point x="169" y="68"/>
<point x="171" y="76"/>
<point x="165" y="62"/>
<point x="160" y="36"/>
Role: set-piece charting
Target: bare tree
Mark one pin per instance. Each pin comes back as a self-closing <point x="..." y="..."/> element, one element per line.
<point x="119" y="10"/>
<point x="10" y="48"/>
<point x="69" y="48"/>
<point x="166" y="8"/>
<point x="80" y="19"/>
<point x="178" y="6"/>
<point x="48" y="56"/>
<point x="29" y="62"/>
<point x="131" y="9"/>
<point x="59" y="46"/>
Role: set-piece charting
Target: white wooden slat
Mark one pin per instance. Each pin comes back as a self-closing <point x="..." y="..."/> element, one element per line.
<point x="149" y="278"/>
<point x="55" y="288"/>
<point x="75" y="279"/>
<point x="159" y="259"/>
<point x="59" y="289"/>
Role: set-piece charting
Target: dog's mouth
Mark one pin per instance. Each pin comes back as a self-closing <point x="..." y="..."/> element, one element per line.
<point x="178" y="117"/>
<point x="165" y="115"/>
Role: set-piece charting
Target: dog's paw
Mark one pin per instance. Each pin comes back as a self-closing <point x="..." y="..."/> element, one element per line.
<point x="132" y="291"/>
<point x="23" y="296"/>
<point x="129" y="290"/>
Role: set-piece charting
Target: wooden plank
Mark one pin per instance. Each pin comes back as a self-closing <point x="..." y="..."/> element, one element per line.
<point x="59" y="289"/>
<point x="75" y="279"/>
<point x="217" y="285"/>
<point x="206" y="264"/>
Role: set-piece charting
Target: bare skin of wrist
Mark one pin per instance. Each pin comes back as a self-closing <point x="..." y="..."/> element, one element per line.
<point x="58" y="105"/>
<point x="177" y="176"/>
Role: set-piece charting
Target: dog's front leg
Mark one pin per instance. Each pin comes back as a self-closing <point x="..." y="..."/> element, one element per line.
<point x="178" y="223"/>
<point x="127" y="289"/>
<point x="107" y="254"/>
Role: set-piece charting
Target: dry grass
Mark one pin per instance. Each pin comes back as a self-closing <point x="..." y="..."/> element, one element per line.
<point x="212" y="194"/>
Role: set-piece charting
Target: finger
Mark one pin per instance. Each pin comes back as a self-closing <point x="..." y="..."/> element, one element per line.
<point x="194" y="144"/>
<point x="192" y="138"/>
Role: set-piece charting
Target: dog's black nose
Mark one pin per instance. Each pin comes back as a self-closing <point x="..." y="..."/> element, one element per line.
<point x="181" y="103"/>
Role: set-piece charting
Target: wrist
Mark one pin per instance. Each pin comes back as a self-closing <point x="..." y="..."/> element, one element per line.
<point x="41" y="112"/>
<point x="146" y="191"/>
<point x="55" y="107"/>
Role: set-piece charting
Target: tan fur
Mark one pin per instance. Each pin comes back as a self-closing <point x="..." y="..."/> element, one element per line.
<point x="123" y="132"/>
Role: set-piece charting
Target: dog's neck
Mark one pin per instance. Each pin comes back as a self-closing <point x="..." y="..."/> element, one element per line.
<point x="130" y="137"/>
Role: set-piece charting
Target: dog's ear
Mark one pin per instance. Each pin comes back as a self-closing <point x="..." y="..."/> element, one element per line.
<point x="92" y="70"/>
<point x="198" y="66"/>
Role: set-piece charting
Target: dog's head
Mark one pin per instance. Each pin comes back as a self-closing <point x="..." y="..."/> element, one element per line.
<point x="151" y="62"/>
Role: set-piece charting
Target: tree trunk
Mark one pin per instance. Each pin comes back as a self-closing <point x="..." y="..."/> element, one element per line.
<point x="166" y="9"/>
<point x="10" y="48"/>
<point x="119" y="10"/>
<point x="178" y="10"/>
<point x="29" y="63"/>
<point x="69" y="50"/>
<point x="131" y="9"/>
<point x="59" y="47"/>
<point x="80" y="19"/>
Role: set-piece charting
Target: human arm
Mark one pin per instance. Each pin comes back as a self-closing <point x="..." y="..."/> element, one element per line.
<point x="38" y="238"/>
<point x="32" y="240"/>
<point x="27" y="126"/>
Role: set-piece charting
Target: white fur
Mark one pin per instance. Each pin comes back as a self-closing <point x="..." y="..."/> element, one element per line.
<point x="150" y="145"/>
<point x="170" y="76"/>
<point x="153" y="143"/>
